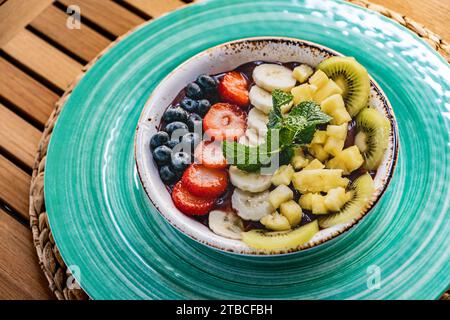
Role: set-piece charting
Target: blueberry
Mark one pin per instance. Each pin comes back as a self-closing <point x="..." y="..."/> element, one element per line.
<point x="190" y="141"/>
<point x="194" y="122"/>
<point x="180" y="161"/>
<point x="203" y="107"/>
<point x="175" y="114"/>
<point x="172" y="143"/>
<point x="189" y="105"/>
<point x="207" y="83"/>
<point x="194" y="91"/>
<point x="167" y="175"/>
<point x="162" y="155"/>
<point x="158" y="139"/>
<point x="176" y="129"/>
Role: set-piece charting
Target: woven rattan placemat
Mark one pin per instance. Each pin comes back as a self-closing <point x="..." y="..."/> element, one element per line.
<point x="60" y="280"/>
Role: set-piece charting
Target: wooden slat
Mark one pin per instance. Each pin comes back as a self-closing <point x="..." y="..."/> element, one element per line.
<point x="18" y="137"/>
<point x="14" y="187"/>
<point x="50" y="63"/>
<point x="107" y="14"/>
<point x="16" y="14"/>
<point x="28" y="95"/>
<point x="20" y="274"/>
<point x="84" y="42"/>
<point x="434" y="14"/>
<point x="155" y="8"/>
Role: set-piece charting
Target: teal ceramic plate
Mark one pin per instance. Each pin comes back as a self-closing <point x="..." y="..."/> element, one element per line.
<point x="121" y="248"/>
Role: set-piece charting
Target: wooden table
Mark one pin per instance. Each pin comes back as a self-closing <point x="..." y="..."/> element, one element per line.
<point x="39" y="58"/>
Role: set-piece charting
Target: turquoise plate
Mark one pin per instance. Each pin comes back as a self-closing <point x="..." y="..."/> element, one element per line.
<point x="120" y="247"/>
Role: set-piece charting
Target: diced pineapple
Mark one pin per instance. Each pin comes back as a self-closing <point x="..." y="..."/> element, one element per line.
<point x="318" y="204"/>
<point x="320" y="137"/>
<point x="327" y="90"/>
<point x="341" y="116"/>
<point x="318" y="180"/>
<point x="334" y="106"/>
<point x="305" y="201"/>
<point x="318" y="151"/>
<point x="283" y="175"/>
<point x="299" y="160"/>
<point x="339" y="132"/>
<point x="302" y="73"/>
<point x="292" y="211"/>
<point x="302" y="93"/>
<point x="319" y="79"/>
<point x="280" y="194"/>
<point x="276" y="222"/>
<point x="335" y="199"/>
<point x="315" y="164"/>
<point x="347" y="160"/>
<point x="334" y="145"/>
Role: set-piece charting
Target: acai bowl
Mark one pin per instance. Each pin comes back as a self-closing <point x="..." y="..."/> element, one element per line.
<point x="266" y="145"/>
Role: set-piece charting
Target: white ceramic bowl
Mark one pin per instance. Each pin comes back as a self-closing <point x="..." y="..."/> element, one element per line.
<point x="223" y="58"/>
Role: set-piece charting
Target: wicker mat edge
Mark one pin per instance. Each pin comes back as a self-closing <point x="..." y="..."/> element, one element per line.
<point x="60" y="280"/>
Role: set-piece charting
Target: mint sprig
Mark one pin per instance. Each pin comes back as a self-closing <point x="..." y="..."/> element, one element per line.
<point x="284" y="132"/>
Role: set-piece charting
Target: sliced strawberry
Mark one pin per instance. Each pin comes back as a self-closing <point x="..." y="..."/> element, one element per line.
<point x="225" y="121"/>
<point x="233" y="88"/>
<point x="190" y="204"/>
<point x="205" y="182"/>
<point x="209" y="154"/>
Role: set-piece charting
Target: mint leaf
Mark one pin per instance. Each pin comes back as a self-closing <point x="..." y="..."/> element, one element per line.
<point x="279" y="99"/>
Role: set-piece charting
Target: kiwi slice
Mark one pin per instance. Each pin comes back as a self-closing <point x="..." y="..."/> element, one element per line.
<point x="372" y="137"/>
<point x="353" y="79"/>
<point x="362" y="192"/>
<point x="280" y="241"/>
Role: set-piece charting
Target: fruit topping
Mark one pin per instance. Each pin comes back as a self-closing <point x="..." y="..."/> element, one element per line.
<point x="167" y="175"/>
<point x="373" y="136"/>
<point x="189" y="142"/>
<point x="361" y="191"/>
<point x="189" y="104"/>
<point x="353" y="80"/>
<point x="180" y="161"/>
<point x="194" y="91"/>
<point x="318" y="180"/>
<point x="283" y="175"/>
<point x="224" y="121"/>
<point x="276" y="222"/>
<point x="206" y="182"/>
<point x="292" y="211"/>
<point x="203" y="107"/>
<point x="261" y="99"/>
<point x="176" y="129"/>
<point x="207" y="83"/>
<point x="334" y="106"/>
<point x="188" y="203"/>
<point x="280" y="241"/>
<point x="280" y="194"/>
<point x="210" y="155"/>
<point x="273" y="76"/>
<point x="233" y="88"/>
<point x="251" y="206"/>
<point x="158" y="139"/>
<point x="302" y="73"/>
<point x="173" y="114"/>
<point x="162" y="155"/>
<point x="226" y="224"/>
<point x="347" y="160"/>
<point x="195" y="123"/>
<point x="249" y="181"/>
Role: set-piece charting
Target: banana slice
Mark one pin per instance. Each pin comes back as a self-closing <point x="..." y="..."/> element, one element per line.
<point x="251" y="206"/>
<point x="249" y="181"/>
<point x="261" y="99"/>
<point x="226" y="224"/>
<point x="255" y="138"/>
<point x="257" y="120"/>
<point x="273" y="76"/>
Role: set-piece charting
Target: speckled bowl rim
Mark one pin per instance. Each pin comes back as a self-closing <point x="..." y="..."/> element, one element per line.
<point x="392" y="163"/>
